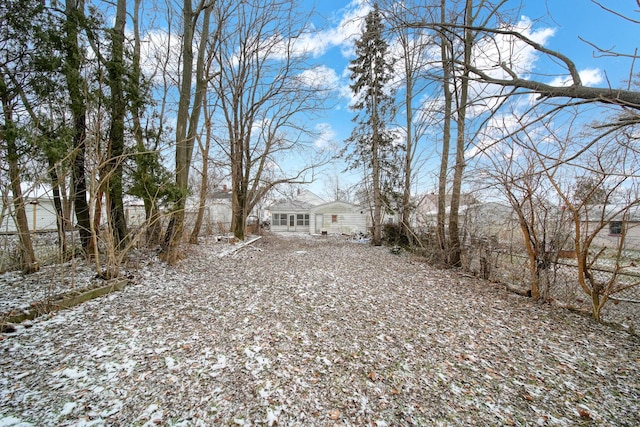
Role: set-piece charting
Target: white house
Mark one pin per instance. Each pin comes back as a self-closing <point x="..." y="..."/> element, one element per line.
<point x="308" y="213"/>
<point x="612" y="232"/>
<point x="217" y="211"/>
<point x="339" y="217"/>
<point x="40" y="210"/>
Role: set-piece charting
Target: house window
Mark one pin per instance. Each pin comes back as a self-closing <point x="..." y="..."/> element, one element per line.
<point x="334" y="218"/>
<point x="302" y="219"/>
<point x="615" y="228"/>
<point x="280" y="219"/>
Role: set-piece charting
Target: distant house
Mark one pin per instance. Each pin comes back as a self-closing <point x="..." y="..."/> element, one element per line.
<point x="339" y="217"/>
<point x="616" y="226"/>
<point x="217" y="211"/>
<point x="41" y="215"/>
<point x="426" y="210"/>
<point x="308" y="213"/>
<point x="40" y="210"/>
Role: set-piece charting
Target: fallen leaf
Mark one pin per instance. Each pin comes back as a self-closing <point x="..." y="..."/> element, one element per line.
<point x="584" y="413"/>
<point x="334" y="414"/>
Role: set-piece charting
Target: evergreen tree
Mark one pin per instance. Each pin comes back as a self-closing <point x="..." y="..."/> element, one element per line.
<point x="372" y="142"/>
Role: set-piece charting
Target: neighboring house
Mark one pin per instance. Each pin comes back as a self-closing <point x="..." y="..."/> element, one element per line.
<point x="493" y="221"/>
<point x="424" y="218"/>
<point x="41" y="212"/>
<point x="617" y="225"/>
<point x="217" y="211"/>
<point x="310" y="214"/>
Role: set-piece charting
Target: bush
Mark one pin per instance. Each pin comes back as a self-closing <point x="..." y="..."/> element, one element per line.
<point x="393" y="235"/>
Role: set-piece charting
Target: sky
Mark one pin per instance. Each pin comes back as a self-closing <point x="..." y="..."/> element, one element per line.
<point x="559" y="23"/>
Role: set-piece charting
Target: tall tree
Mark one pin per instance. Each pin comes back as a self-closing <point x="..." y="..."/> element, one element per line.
<point x="188" y="118"/>
<point x="18" y="34"/>
<point x="266" y="97"/>
<point x="76" y="87"/>
<point x="151" y="181"/>
<point x="115" y="152"/>
<point x="371" y="70"/>
<point x="455" y="250"/>
<point x="413" y="53"/>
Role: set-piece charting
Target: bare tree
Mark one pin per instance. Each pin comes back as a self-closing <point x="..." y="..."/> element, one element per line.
<point x="188" y="118"/>
<point x="611" y="162"/>
<point x="413" y="47"/>
<point x="264" y="90"/>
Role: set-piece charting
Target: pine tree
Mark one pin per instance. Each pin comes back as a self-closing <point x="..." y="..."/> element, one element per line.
<point x="371" y="72"/>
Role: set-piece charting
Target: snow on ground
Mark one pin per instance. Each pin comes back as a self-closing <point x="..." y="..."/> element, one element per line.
<point x="315" y="332"/>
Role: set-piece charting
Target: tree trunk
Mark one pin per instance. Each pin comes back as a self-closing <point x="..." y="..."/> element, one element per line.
<point x="377" y="197"/>
<point x="116" y="131"/>
<point x="455" y="250"/>
<point x="408" y="162"/>
<point x="446" y="136"/>
<point x="28" y="263"/>
<point x="74" y="10"/>
<point x="173" y="234"/>
<point x="57" y="203"/>
<point x="204" y="189"/>
<point x="186" y="126"/>
<point x="238" y="201"/>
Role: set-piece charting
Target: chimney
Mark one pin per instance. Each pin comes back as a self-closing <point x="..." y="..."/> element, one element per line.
<point x="224" y="188"/>
<point x="299" y="191"/>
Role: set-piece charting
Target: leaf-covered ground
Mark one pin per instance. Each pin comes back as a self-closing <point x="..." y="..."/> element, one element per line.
<point x="315" y="332"/>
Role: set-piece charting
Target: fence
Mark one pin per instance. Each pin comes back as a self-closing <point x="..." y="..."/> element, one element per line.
<point x="559" y="281"/>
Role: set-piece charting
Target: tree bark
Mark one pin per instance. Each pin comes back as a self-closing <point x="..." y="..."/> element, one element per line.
<point x="187" y="125"/>
<point x="28" y="263"/>
<point x="116" y="131"/>
<point x="74" y="10"/>
<point x="445" y="51"/>
<point x="455" y="250"/>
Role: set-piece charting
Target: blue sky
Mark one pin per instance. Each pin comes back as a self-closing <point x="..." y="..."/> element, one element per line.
<point x="558" y="23"/>
<point x="563" y="23"/>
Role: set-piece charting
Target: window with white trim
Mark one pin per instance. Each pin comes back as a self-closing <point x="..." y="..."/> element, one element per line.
<point x="302" y="219"/>
<point x="279" y="219"/>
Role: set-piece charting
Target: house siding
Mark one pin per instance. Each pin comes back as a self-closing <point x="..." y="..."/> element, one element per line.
<point x="349" y="219"/>
<point x="41" y="216"/>
<point x="340" y="218"/>
<point x="605" y="239"/>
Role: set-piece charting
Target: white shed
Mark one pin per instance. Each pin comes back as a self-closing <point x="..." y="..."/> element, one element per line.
<point x="41" y="214"/>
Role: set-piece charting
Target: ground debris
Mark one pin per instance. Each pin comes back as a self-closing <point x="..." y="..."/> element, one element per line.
<point x="315" y="332"/>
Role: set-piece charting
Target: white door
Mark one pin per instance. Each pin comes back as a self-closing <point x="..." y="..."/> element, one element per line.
<point x="292" y="222"/>
<point x="319" y="222"/>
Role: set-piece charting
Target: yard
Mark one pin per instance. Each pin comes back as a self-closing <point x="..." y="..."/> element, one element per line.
<point x="311" y="331"/>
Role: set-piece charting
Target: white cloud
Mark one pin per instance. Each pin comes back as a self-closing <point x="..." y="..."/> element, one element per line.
<point x="321" y="77"/>
<point x="326" y="139"/>
<point x="589" y="77"/>
<point x="342" y="35"/>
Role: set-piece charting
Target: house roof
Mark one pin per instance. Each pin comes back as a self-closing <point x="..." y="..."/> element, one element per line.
<point x="336" y="202"/>
<point x="291" y="206"/>
<point x="613" y="212"/>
